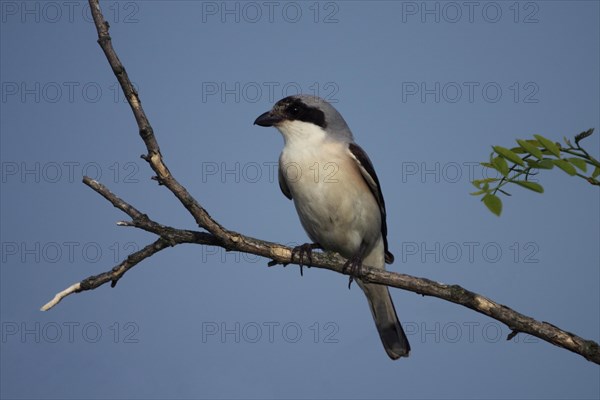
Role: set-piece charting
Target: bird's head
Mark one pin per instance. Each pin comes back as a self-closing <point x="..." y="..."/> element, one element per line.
<point x="305" y="117"/>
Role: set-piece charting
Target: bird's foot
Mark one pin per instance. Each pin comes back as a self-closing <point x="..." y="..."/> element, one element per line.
<point x="354" y="266"/>
<point x="303" y="252"/>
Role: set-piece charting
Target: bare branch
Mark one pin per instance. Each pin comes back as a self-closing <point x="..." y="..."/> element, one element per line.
<point x="154" y="157"/>
<point x="141" y="220"/>
<point x="168" y="237"/>
<point x="516" y="321"/>
<point x="112" y="276"/>
<point x="229" y="240"/>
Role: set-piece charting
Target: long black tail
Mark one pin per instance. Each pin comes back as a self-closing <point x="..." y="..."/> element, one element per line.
<point x="390" y="331"/>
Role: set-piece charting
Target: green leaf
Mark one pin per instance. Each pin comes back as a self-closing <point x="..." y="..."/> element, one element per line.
<point x="487" y="180"/>
<point x="518" y="150"/>
<point x="487" y="165"/>
<point x="596" y="172"/>
<point x="533" y="150"/>
<point x="533" y="142"/>
<point x="546" y="164"/>
<point x="549" y="145"/>
<point x="478" y="182"/>
<point x="509" y="155"/>
<point x="484" y="189"/>
<point x="536" y="187"/>
<point x="501" y="165"/>
<point x="533" y="163"/>
<point x="477" y="193"/>
<point x="565" y="166"/>
<point x="493" y="203"/>
<point x="579" y="163"/>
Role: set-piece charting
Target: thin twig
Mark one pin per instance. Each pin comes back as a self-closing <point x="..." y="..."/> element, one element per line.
<point x="112" y="276"/>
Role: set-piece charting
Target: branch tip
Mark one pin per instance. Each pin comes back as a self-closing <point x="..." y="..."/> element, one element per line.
<point x="74" y="288"/>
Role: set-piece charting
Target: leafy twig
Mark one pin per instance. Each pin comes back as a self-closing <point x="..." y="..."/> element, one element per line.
<point x="539" y="153"/>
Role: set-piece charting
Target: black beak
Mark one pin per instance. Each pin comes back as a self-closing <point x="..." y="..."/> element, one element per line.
<point x="267" y="119"/>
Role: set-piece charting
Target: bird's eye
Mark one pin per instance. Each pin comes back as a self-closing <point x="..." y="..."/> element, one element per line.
<point x="293" y="111"/>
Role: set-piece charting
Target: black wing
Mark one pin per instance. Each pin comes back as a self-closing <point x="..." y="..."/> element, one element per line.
<point x="368" y="173"/>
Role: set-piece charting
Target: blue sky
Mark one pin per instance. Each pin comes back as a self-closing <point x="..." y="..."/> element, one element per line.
<point x="426" y="87"/>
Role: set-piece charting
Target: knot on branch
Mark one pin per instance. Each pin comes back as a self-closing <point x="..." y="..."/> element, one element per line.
<point x="140" y="219"/>
<point x="169" y="239"/>
<point x="157" y="179"/>
<point x="104" y="38"/>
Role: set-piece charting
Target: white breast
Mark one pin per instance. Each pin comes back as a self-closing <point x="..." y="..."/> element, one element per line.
<point x="335" y="206"/>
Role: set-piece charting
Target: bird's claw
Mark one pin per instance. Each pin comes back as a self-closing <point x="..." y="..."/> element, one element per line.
<point x="303" y="252"/>
<point x="354" y="266"/>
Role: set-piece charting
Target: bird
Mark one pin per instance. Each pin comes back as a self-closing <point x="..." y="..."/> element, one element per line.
<point x="338" y="198"/>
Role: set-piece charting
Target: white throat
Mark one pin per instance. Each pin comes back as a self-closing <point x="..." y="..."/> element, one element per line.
<point x="301" y="133"/>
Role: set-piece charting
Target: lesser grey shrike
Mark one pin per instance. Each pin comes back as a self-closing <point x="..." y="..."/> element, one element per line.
<point x="338" y="198"/>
